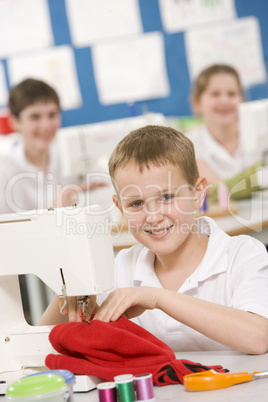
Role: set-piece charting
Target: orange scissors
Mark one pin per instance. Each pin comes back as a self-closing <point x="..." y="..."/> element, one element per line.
<point x="210" y="379"/>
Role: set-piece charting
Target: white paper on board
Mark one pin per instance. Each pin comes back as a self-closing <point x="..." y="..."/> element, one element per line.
<point x="3" y="87"/>
<point x="91" y="21"/>
<point x="24" y="25"/>
<point x="179" y="15"/>
<point x="236" y="42"/>
<point x="56" y="66"/>
<point x="131" y="70"/>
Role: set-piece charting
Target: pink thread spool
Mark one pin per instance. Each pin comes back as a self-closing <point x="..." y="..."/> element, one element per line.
<point x="107" y="392"/>
<point x="223" y="196"/>
<point x="144" y="387"/>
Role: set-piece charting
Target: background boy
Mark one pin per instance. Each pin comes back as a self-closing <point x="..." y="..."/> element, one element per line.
<point x="30" y="174"/>
<point x="35" y="114"/>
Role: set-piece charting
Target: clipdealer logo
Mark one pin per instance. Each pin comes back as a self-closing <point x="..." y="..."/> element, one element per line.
<point x="251" y="203"/>
<point x="43" y="191"/>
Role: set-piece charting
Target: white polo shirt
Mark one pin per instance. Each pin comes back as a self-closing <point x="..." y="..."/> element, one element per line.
<point x="220" y="161"/>
<point x="31" y="188"/>
<point x="233" y="272"/>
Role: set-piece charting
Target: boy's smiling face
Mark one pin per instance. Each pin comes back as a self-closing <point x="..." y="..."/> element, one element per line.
<point x="38" y="124"/>
<point x="158" y="205"/>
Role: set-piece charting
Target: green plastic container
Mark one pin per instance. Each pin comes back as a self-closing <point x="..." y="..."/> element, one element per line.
<point x="43" y="388"/>
<point x="68" y="377"/>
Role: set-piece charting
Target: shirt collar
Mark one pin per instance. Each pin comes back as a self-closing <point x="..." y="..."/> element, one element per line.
<point x="215" y="259"/>
<point x="144" y="269"/>
<point x="214" y="146"/>
<point x="53" y="165"/>
<point x="213" y="262"/>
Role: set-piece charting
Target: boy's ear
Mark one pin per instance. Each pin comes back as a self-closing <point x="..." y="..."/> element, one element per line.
<point x="14" y="122"/>
<point x="196" y="106"/>
<point x="118" y="203"/>
<point x="201" y="186"/>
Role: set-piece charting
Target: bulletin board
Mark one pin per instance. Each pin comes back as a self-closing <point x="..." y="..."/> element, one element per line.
<point x="162" y="53"/>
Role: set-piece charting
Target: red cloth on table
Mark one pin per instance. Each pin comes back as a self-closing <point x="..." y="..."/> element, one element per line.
<point x="105" y="350"/>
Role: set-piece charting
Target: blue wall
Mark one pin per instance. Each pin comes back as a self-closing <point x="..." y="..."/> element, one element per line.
<point x="177" y="104"/>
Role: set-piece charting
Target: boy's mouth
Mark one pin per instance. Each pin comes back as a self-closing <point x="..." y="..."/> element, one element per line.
<point x="159" y="232"/>
<point x="223" y="112"/>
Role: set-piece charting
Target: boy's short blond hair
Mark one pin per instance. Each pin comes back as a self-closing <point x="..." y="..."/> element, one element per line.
<point x="156" y="145"/>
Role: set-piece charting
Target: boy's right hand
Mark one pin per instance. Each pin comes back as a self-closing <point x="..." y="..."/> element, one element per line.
<point x="129" y="302"/>
<point x="69" y="194"/>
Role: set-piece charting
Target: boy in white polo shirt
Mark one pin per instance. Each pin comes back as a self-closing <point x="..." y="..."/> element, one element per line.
<point x="32" y="165"/>
<point x="30" y="174"/>
<point x="188" y="282"/>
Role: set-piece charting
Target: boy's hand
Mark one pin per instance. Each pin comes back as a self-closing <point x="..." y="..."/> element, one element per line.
<point x="93" y="186"/>
<point x="129" y="302"/>
<point x="69" y="194"/>
<point x="73" y="308"/>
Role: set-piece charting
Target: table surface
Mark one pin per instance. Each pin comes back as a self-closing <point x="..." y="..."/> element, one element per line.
<point x="253" y="391"/>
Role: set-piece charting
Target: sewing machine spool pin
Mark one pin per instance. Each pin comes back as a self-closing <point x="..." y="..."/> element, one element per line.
<point x="64" y="292"/>
<point x="83" y="303"/>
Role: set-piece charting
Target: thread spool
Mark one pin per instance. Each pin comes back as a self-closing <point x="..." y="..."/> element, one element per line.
<point x="107" y="392"/>
<point x="144" y="387"/>
<point x="125" y="387"/>
<point x="223" y="196"/>
<point x="204" y="205"/>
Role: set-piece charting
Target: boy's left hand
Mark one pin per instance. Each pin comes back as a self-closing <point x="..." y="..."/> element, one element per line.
<point x="129" y="302"/>
<point x="69" y="194"/>
<point x="73" y="309"/>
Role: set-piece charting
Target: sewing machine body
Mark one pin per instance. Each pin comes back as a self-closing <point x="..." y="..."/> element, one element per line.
<point x="76" y="241"/>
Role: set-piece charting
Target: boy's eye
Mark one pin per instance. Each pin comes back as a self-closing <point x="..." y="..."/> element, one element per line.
<point x="53" y="115"/>
<point x="215" y="93"/>
<point x="136" y="204"/>
<point x="35" y="116"/>
<point x="167" y="197"/>
<point x="231" y="94"/>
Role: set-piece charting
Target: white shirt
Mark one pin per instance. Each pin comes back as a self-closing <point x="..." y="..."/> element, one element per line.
<point x="23" y="186"/>
<point x="233" y="272"/>
<point x="221" y="162"/>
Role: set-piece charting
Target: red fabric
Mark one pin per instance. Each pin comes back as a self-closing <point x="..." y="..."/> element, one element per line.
<point x="105" y="350"/>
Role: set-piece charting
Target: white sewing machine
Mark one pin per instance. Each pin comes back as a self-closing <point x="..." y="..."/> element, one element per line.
<point x="253" y="125"/>
<point x="69" y="249"/>
<point x="85" y="149"/>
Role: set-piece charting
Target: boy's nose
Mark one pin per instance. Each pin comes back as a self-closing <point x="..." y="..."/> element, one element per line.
<point x="225" y="98"/>
<point x="153" y="213"/>
<point x="46" y="123"/>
